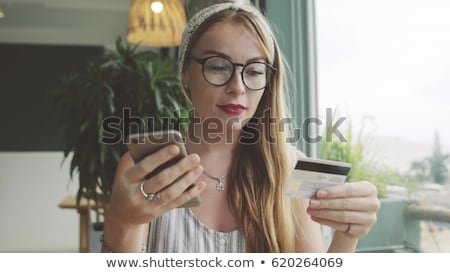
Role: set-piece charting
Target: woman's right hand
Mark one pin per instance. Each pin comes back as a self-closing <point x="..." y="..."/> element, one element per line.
<point x="128" y="205"/>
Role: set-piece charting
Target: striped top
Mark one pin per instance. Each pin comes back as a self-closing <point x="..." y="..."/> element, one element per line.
<point x="179" y="231"/>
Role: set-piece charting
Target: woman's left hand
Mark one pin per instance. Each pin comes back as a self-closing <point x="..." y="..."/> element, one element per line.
<point x="350" y="208"/>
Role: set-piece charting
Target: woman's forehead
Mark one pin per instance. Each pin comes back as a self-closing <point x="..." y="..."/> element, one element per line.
<point x="228" y="38"/>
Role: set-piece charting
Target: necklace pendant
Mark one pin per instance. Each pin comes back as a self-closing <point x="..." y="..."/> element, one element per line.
<point x="220" y="186"/>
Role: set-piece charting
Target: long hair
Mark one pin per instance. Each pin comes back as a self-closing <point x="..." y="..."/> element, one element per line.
<point x="259" y="165"/>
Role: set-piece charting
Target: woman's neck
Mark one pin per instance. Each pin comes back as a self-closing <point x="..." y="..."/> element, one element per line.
<point x="214" y="149"/>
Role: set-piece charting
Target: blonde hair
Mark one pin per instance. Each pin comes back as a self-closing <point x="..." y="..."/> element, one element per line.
<point x="259" y="169"/>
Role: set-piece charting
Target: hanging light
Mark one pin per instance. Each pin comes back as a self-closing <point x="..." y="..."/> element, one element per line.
<point x="156" y="23"/>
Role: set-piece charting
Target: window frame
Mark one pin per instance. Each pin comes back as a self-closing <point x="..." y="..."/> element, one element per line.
<point x="294" y="22"/>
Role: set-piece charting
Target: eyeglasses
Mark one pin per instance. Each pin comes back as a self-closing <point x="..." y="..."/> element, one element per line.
<point x="219" y="71"/>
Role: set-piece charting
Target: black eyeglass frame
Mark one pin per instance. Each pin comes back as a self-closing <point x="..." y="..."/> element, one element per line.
<point x="202" y="61"/>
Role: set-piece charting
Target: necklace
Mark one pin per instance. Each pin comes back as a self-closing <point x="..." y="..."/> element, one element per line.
<point x="219" y="186"/>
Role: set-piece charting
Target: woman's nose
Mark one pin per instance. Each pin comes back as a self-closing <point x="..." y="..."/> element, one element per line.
<point x="236" y="85"/>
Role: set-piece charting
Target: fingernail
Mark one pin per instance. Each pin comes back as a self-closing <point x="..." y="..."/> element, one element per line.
<point x="201" y="185"/>
<point x="321" y="194"/>
<point x="173" y="150"/>
<point x="311" y="211"/>
<point x="314" y="203"/>
<point x="194" y="158"/>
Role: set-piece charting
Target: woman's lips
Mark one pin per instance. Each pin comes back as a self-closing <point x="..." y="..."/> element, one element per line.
<point x="232" y="109"/>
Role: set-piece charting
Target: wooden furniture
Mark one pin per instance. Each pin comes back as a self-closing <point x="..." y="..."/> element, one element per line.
<point x="84" y="210"/>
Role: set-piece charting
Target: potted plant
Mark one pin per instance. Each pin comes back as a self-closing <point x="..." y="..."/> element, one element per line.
<point x="122" y="92"/>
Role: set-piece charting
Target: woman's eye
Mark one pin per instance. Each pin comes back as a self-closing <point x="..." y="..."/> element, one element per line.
<point x="254" y="73"/>
<point x="218" y="68"/>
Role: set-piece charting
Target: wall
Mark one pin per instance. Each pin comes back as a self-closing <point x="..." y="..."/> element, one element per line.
<point x="31" y="186"/>
<point x="81" y="22"/>
<point x="28" y="73"/>
<point x="33" y="180"/>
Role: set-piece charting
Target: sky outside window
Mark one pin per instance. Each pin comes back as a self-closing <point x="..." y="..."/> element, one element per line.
<point x="388" y="60"/>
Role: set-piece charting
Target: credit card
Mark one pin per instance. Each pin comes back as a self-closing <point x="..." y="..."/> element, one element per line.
<point x="311" y="174"/>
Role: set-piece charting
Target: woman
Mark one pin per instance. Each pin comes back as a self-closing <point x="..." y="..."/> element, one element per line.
<point x="233" y="71"/>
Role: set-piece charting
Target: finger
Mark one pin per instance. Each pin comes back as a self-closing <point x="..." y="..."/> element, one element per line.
<point x="351" y="229"/>
<point x="336" y="225"/>
<point x="344" y="216"/>
<point x="176" y="189"/>
<point x="170" y="174"/>
<point x="353" y="189"/>
<point x="151" y="162"/>
<point x="188" y="195"/>
<point x="168" y="199"/>
<point x="178" y="169"/>
<point x="355" y="203"/>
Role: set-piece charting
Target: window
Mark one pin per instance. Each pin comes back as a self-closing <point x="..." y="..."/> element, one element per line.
<point x="385" y="65"/>
<point x="390" y="61"/>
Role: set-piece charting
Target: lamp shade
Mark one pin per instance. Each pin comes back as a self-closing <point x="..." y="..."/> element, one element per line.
<point x="156" y="23"/>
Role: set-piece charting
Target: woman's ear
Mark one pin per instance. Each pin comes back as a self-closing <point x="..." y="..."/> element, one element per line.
<point x="185" y="81"/>
<point x="184" y="75"/>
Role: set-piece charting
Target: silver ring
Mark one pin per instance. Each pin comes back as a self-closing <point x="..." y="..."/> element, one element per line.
<point x="148" y="196"/>
<point x="348" y="228"/>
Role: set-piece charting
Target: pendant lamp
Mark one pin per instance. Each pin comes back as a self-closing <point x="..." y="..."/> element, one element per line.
<point x="156" y="23"/>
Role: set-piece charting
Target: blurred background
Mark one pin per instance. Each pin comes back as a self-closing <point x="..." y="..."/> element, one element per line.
<point x="380" y="66"/>
<point x="384" y="66"/>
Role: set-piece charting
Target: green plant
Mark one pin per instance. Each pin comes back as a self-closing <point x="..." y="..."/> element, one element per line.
<point x="124" y="89"/>
<point x="432" y="168"/>
<point x="357" y="151"/>
<point x="354" y="151"/>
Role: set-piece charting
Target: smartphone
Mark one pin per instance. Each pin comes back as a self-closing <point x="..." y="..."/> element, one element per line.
<point x="141" y="145"/>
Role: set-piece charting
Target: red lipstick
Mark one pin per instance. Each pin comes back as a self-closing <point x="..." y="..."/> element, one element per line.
<point x="232" y="109"/>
